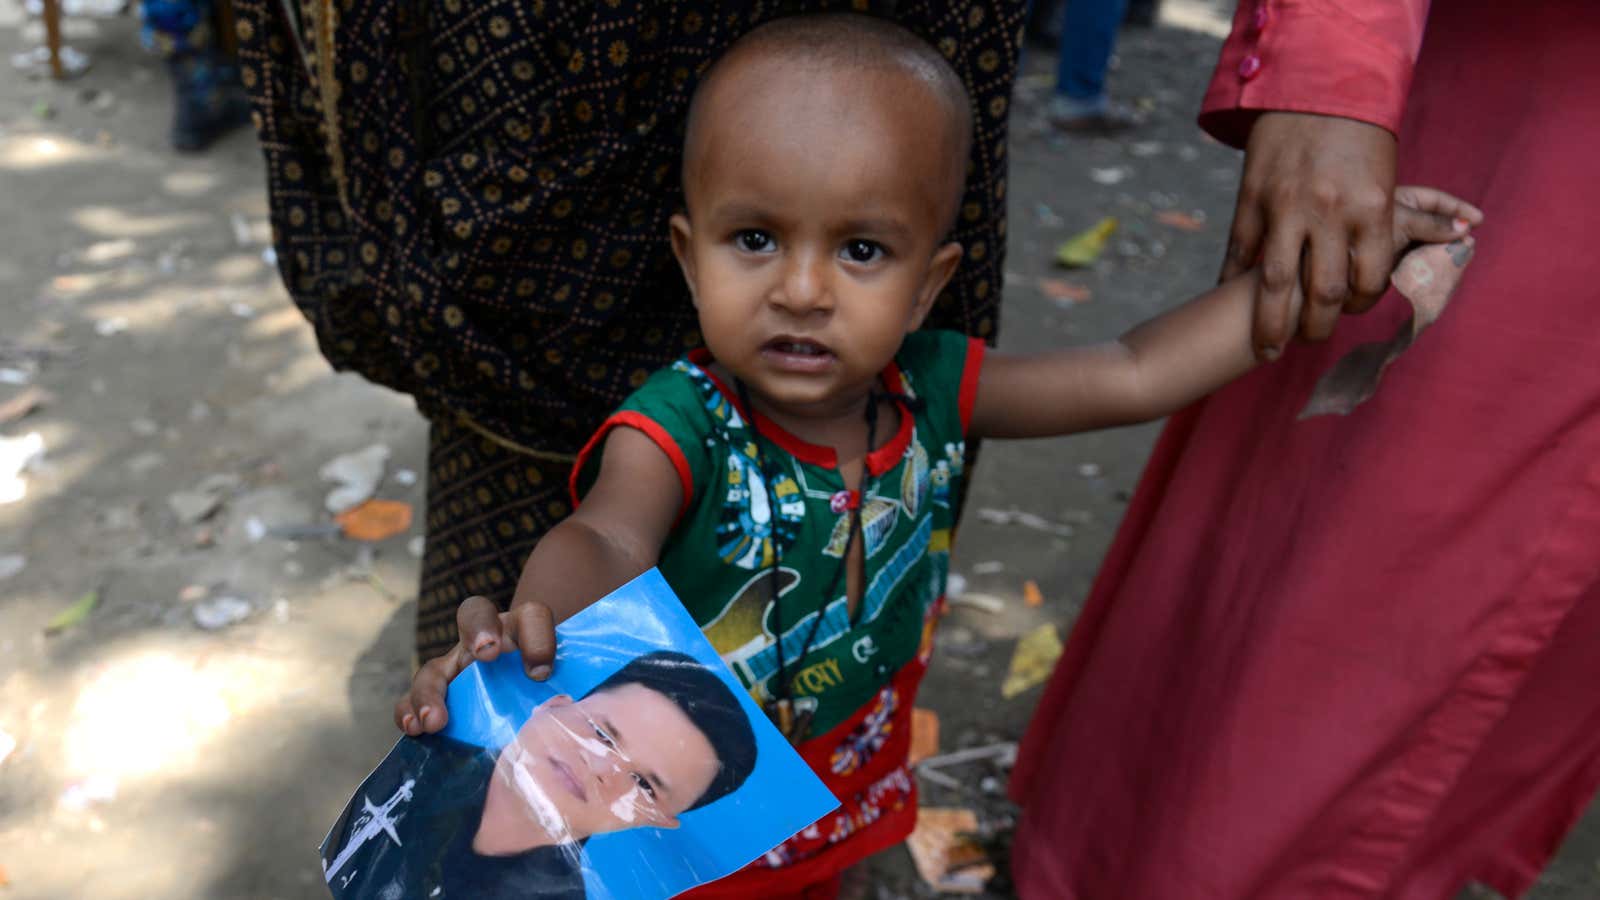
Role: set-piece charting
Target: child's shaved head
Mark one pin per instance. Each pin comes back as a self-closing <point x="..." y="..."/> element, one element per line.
<point x="878" y="54"/>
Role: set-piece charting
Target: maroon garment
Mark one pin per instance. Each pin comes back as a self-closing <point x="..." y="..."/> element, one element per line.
<point x="1357" y="657"/>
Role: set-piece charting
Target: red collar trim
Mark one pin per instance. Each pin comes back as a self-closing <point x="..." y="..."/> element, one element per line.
<point x="878" y="461"/>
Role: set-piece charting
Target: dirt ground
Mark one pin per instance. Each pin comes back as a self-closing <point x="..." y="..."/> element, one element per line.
<point x="142" y="756"/>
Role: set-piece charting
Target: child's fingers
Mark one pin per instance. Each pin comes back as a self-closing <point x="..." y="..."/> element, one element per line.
<point x="481" y="628"/>
<point x="535" y="629"/>
<point x="1433" y="200"/>
<point x="423" y="709"/>
<point x="1413" y="225"/>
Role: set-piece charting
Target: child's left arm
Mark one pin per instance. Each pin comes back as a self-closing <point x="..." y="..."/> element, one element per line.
<point x="1170" y="361"/>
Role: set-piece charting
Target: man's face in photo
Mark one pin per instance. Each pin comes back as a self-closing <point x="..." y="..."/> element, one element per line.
<point x="623" y="758"/>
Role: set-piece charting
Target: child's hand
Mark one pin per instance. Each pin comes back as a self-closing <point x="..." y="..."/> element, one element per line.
<point x="1424" y="215"/>
<point x="485" y="634"/>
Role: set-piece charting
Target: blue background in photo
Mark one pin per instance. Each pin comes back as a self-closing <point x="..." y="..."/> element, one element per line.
<point x="489" y="702"/>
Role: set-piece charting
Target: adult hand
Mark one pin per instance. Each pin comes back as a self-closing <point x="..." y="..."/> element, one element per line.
<point x="485" y="634"/>
<point x="1316" y="205"/>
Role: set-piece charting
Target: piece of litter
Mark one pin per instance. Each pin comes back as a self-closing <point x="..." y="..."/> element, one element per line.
<point x="1181" y="220"/>
<point x="1064" y="292"/>
<point x="1145" y="149"/>
<point x="1110" y="175"/>
<point x="1003" y="753"/>
<point x="405" y="477"/>
<point x="357" y="475"/>
<point x="1031" y="595"/>
<point x="107" y="251"/>
<point x="1047" y="217"/>
<point x="254" y="529"/>
<point x="1026" y="520"/>
<point x="111" y="326"/>
<point x="193" y="506"/>
<point x="241" y="229"/>
<point x="269" y="256"/>
<point x="74" y="614"/>
<point x="9" y="375"/>
<point x="1089" y="470"/>
<point x="983" y="602"/>
<point x="1082" y="249"/>
<point x="1032" y="661"/>
<point x="1426" y="277"/>
<point x="91" y="791"/>
<point x="242" y="310"/>
<point x="988" y="567"/>
<point x="16" y="456"/>
<point x="193" y="593"/>
<point x="23" y="404"/>
<point x="955" y="585"/>
<point x="945" y="854"/>
<point x="924" y="734"/>
<point x="219" y="613"/>
<point x="11" y="565"/>
<point x="416" y="546"/>
<point x="375" y="520"/>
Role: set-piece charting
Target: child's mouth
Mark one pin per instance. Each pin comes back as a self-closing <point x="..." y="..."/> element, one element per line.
<point x="797" y="355"/>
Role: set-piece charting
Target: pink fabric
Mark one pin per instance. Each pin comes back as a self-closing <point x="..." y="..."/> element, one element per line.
<point x="1361" y="650"/>
<point x="1349" y="58"/>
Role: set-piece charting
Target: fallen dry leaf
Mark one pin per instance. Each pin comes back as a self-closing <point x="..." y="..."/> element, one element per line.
<point x="23" y="403"/>
<point x="375" y="520"/>
<point x="1426" y="277"/>
<point x="1031" y="595"/>
<point x="1036" y="654"/>
<point x="74" y="614"/>
<point x="945" y="855"/>
<point x="1083" y="248"/>
<point x="924" y="734"/>
<point x="1063" y="291"/>
<point x="1181" y="220"/>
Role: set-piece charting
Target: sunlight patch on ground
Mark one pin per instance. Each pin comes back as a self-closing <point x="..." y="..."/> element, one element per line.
<point x="1197" y="15"/>
<point x="31" y="152"/>
<point x="109" y="221"/>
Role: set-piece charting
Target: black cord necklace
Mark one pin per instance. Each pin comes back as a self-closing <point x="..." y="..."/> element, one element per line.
<point x="781" y="708"/>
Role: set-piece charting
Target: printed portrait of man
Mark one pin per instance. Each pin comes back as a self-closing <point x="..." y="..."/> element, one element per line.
<point x="440" y="818"/>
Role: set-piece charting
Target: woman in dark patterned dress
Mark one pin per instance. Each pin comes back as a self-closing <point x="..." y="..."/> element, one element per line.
<point x="469" y="201"/>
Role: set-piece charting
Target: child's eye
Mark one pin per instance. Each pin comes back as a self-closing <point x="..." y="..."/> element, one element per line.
<point x="601" y="734"/>
<point x="644" y="784"/>
<point x="753" y="241"/>
<point x="862" y="251"/>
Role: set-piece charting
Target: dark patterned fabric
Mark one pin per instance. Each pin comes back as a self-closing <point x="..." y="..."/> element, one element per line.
<point x="469" y="202"/>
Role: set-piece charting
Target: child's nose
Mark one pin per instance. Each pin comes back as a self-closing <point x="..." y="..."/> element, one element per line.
<point x="805" y="285"/>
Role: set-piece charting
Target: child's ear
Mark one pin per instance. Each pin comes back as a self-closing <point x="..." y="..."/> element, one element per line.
<point x="940" y="269"/>
<point x="681" y="232"/>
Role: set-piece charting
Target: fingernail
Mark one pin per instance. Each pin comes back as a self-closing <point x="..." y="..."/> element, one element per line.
<point x="484" y="642"/>
<point x="1272" y="353"/>
<point x="409" y="722"/>
<point x="422" y="714"/>
<point x="539" y="673"/>
<point x="1461" y="224"/>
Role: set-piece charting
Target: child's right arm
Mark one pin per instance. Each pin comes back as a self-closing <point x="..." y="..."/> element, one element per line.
<point x="613" y="537"/>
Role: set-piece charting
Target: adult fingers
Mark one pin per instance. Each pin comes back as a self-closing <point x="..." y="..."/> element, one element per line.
<point x="1244" y="237"/>
<point x="1372" y="256"/>
<point x="1280" y="268"/>
<point x="535" y="629"/>
<point x="1327" y="282"/>
<point x="481" y="627"/>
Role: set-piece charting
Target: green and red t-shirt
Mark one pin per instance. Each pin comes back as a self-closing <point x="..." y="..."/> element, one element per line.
<point x="858" y="678"/>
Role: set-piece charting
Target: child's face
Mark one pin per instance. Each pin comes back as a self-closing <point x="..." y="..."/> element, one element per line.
<point x="816" y="207"/>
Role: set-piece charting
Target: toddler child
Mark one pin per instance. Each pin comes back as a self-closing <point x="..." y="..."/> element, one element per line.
<point x="795" y="479"/>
